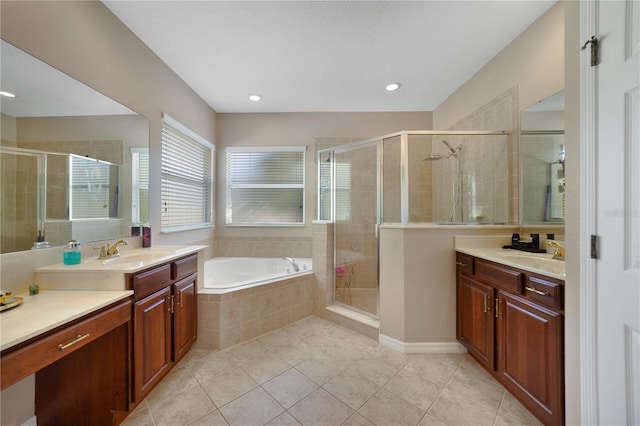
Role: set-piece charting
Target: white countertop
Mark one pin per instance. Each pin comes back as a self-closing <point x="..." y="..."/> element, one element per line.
<point x="129" y="260"/>
<point x="49" y="309"/>
<point x="539" y="263"/>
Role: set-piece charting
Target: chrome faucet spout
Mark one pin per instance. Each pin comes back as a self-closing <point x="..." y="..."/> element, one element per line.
<point x="293" y="263"/>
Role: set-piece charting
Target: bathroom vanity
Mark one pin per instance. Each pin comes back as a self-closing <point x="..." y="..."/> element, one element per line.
<point x="164" y="318"/>
<point x="96" y="352"/>
<point x="510" y="317"/>
<point x="65" y="338"/>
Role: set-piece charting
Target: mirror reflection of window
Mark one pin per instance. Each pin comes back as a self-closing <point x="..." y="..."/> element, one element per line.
<point x="95" y="190"/>
<point x="140" y="185"/>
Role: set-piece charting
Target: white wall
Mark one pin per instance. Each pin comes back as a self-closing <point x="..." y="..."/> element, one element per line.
<point x="572" y="223"/>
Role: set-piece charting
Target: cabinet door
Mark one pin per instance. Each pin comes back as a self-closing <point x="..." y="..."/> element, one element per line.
<point x="152" y="341"/>
<point x="529" y="353"/>
<point x="185" y="321"/>
<point x="475" y="319"/>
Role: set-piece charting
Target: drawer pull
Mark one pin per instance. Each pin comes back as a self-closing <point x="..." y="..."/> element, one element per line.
<point x="485" y="303"/>
<point x="464" y="265"/>
<point x="78" y="338"/>
<point x="533" y="290"/>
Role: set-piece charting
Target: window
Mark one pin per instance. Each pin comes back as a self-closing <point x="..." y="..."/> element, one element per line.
<point x="140" y="185"/>
<point x="265" y="186"/>
<point x="187" y="178"/>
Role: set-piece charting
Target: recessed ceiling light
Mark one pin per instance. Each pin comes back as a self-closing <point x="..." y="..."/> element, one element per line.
<point x="7" y="94"/>
<point x="255" y="98"/>
<point x="392" y="86"/>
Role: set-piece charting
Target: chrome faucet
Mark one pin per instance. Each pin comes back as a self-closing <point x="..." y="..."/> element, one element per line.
<point x="293" y="263"/>
<point x="559" y="252"/>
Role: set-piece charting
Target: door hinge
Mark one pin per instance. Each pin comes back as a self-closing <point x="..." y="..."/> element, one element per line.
<point x="594" y="247"/>
<point x="593" y="41"/>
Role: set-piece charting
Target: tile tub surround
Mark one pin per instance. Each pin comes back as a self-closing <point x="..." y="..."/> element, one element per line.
<point x="314" y="372"/>
<point x="228" y="319"/>
<point x="262" y="247"/>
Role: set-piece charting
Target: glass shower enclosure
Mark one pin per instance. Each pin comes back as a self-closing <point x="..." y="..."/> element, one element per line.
<point x="436" y="177"/>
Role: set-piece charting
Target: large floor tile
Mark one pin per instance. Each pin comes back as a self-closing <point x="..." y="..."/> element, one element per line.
<point x="253" y="408"/>
<point x="321" y="408"/>
<point x="228" y="386"/>
<point x="290" y="387"/>
<point x="513" y="409"/>
<point x="414" y="389"/>
<point x="351" y="388"/>
<point x="454" y="410"/>
<point x="182" y="408"/>
<point x="386" y="408"/>
<point x="487" y="393"/>
<point x="264" y="368"/>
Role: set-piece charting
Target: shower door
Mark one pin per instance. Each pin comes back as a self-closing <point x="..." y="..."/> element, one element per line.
<point x="356" y="216"/>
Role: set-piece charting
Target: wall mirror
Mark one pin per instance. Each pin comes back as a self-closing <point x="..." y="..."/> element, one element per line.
<point x="542" y="156"/>
<point x="74" y="163"/>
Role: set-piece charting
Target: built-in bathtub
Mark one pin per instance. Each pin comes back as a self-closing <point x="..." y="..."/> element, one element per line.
<point x="236" y="273"/>
<point x="243" y="297"/>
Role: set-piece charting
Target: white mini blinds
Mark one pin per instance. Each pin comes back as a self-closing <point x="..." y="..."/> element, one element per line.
<point x="187" y="176"/>
<point x="265" y="186"/>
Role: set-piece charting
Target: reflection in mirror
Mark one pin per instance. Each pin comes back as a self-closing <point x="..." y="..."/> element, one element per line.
<point x="542" y="156"/>
<point x="70" y="166"/>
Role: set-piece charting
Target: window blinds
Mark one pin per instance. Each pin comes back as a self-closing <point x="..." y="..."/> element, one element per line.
<point x="93" y="194"/>
<point x="265" y="186"/>
<point x="187" y="170"/>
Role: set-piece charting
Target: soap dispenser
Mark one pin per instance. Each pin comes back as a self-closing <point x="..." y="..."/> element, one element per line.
<point x="71" y="253"/>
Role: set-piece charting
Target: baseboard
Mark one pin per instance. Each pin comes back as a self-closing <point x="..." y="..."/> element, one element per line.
<point x="422" y="347"/>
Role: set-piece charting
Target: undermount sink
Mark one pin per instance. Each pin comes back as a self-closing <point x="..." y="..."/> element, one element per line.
<point x="544" y="261"/>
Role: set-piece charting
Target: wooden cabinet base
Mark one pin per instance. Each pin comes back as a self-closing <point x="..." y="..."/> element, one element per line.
<point x="512" y="323"/>
<point x="78" y="389"/>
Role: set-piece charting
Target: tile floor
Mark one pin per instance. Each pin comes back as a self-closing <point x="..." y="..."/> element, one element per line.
<point x="314" y="372"/>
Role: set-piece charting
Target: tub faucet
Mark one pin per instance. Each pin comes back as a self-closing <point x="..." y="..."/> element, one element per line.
<point x="113" y="250"/>
<point x="293" y="263"/>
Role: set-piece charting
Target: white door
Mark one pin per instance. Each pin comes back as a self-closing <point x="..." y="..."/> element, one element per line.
<point x="618" y="213"/>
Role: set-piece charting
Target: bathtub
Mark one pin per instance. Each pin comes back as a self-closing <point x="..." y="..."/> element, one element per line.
<point x="226" y="274"/>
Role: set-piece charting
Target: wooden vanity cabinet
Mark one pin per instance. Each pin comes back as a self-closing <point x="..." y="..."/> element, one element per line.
<point x="72" y="385"/>
<point x="164" y="320"/>
<point x="512" y="323"/>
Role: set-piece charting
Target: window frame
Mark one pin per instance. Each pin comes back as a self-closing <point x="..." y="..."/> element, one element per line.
<point x="207" y="183"/>
<point x="262" y="149"/>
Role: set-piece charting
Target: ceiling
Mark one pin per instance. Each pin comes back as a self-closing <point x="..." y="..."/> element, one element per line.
<point x="309" y="56"/>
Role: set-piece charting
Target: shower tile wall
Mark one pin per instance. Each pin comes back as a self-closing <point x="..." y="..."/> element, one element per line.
<point x="391" y="180"/>
<point x="496" y="185"/>
<point x="262" y="247"/>
<point x="420" y="179"/>
<point x="357" y="233"/>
